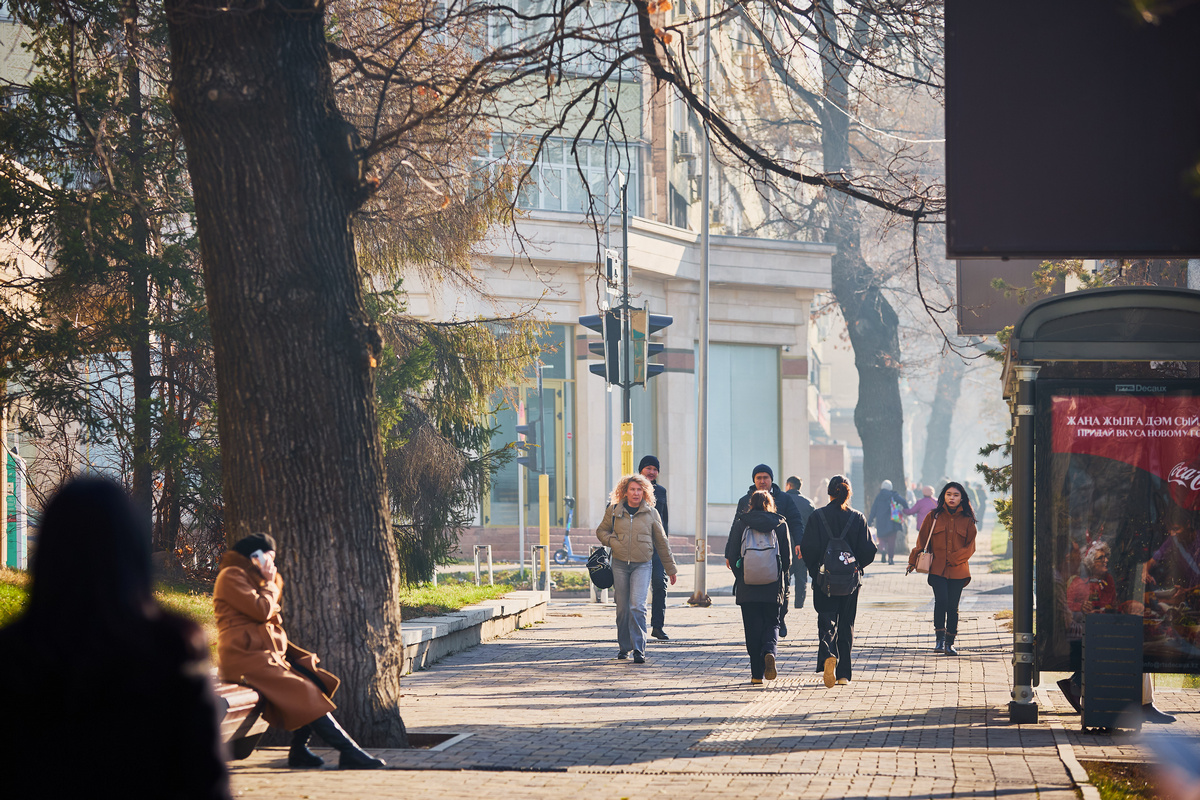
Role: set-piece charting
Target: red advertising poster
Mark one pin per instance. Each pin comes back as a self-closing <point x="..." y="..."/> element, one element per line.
<point x="1118" y="507"/>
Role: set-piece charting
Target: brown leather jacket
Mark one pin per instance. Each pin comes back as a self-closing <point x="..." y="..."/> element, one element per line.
<point x="951" y="538"/>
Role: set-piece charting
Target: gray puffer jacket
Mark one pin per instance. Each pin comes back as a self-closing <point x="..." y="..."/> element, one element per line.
<point x="635" y="537"/>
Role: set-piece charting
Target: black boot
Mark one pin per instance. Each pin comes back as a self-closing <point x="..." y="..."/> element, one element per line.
<point x="353" y="756"/>
<point x="940" y="644"/>
<point x="299" y="756"/>
<point x="949" y="648"/>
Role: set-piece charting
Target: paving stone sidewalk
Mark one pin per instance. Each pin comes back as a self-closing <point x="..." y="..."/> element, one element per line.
<point x="551" y="713"/>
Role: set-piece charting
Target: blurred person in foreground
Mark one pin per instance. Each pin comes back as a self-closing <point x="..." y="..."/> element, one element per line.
<point x="103" y="687"/>
<point x="253" y="649"/>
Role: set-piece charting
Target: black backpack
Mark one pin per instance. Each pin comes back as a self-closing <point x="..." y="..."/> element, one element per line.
<point x="839" y="575"/>
<point x="600" y="568"/>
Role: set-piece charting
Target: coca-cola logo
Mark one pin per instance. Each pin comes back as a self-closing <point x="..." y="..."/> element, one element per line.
<point x="1183" y="475"/>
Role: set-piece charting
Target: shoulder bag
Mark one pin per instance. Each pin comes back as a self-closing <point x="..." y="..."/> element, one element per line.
<point x="925" y="558"/>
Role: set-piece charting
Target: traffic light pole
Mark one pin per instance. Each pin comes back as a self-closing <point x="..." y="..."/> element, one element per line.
<point x="627" y="373"/>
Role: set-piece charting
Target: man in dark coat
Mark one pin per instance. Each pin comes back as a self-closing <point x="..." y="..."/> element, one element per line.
<point x="649" y="468"/>
<point x="805" y="509"/>
<point x="764" y="480"/>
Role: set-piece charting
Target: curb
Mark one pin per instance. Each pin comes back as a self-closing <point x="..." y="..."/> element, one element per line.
<point x="427" y="640"/>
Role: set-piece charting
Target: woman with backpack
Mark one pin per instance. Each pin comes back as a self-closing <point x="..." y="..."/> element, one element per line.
<point x="836" y="548"/>
<point x="633" y="530"/>
<point x="758" y="555"/>
<point x="948" y="534"/>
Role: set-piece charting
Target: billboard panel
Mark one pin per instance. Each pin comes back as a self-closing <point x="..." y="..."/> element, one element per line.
<point x="1071" y="130"/>
<point x="1117" y="515"/>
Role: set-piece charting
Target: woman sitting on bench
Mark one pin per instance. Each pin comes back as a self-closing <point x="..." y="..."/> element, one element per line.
<point x="253" y="649"/>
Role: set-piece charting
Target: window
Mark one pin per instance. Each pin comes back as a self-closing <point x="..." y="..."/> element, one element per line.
<point x="567" y="173"/>
<point x="593" y="35"/>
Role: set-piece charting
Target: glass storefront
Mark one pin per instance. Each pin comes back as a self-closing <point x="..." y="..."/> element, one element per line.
<point x="557" y="402"/>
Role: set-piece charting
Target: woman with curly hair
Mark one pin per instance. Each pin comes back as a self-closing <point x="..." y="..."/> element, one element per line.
<point x="633" y="530"/>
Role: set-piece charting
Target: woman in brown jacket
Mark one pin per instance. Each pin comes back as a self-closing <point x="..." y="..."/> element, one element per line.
<point x="253" y="649"/>
<point x="949" y="534"/>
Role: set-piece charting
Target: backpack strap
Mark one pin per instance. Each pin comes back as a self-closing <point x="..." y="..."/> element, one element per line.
<point x="825" y="525"/>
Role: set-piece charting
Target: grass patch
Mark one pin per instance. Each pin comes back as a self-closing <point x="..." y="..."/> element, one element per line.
<point x="1001" y="565"/>
<point x="1119" y="780"/>
<point x="12" y="600"/>
<point x="571" y="581"/>
<point x="428" y="600"/>
<point x="1000" y="536"/>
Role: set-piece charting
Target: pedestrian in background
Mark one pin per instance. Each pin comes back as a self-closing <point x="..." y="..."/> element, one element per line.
<point x="836" y="612"/>
<point x="764" y="481"/>
<point x="920" y="509"/>
<point x="949" y="534"/>
<point x="632" y="529"/>
<point x="105" y="689"/>
<point x="760" y="601"/>
<point x="254" y="649"/>
<point x="805" y="509"/>
<point x="887" y="515"/>
<point x="649" y="467"/>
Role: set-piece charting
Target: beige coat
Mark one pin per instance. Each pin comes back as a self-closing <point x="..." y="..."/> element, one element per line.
<point x="951" y="539"/>
<point x="253" y="649"/>
<point x="635" y="538"/>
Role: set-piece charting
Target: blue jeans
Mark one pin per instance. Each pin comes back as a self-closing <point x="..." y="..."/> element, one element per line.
<point x="631" y="582"/>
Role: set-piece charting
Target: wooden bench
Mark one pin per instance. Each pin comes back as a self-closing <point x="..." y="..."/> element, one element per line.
<point x="242" y="724"/>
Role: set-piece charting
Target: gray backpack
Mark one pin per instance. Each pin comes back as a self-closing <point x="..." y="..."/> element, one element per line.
<point x="760" y="557"/>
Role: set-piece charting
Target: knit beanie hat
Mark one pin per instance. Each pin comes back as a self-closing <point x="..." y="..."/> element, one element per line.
<point x="648" y="461"/>
<point x="762" y="468"/>
<point x="255" y="541"/>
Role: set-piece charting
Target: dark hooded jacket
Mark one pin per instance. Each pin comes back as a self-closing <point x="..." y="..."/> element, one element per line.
<point x="760" y="521"/>
<point x="786" y="508"/>
<point x="881" y="513"/>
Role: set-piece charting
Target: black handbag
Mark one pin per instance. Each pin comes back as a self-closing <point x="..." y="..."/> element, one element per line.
<point x="600" y="568"/>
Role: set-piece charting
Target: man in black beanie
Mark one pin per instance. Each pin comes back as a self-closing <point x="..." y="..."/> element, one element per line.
<point x="764" y="481"/>
<point x="649" y="467"/>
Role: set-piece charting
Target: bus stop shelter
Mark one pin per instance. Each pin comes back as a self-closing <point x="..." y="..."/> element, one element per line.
<point x="1104" y="390"/>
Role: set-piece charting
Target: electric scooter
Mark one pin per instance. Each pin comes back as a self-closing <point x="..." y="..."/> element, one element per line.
<point x="565" y="555"/>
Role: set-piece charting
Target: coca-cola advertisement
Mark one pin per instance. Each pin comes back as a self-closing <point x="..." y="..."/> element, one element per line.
<point x="1117" y="511"/>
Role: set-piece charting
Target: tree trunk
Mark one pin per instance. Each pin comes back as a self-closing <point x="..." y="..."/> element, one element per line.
<point x="139" y="282"/>
<point x="870" y="320"/>
<point x="941" y="415"/>
<point x="276" y="177"/>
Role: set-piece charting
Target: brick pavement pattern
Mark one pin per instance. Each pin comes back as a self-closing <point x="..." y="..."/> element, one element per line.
<point x="551" y="713"/>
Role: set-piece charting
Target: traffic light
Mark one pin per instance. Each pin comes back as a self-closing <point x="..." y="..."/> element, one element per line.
<point x="643" y="325"/>
<point x="608" y="325"/>
<point x="529" y="447"/>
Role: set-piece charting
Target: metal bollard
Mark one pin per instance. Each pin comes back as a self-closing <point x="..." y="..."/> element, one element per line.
<point x="541" y="580"/>
<point x="491" y="577"/>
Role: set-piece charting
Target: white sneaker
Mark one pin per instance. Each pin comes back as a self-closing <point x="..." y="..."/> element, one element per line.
<point x="843" y="681"/>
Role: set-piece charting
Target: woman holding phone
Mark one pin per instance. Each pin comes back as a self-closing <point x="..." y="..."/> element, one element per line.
<point x="253" y="649"/>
